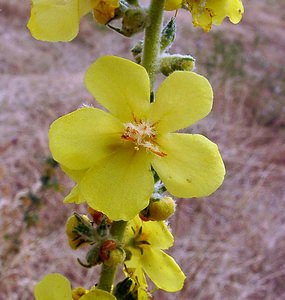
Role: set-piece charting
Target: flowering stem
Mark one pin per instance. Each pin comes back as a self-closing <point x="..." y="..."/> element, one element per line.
<point x="150" y="57"/>
<point x="108" y="273"/>
<point x="152" y="38"/>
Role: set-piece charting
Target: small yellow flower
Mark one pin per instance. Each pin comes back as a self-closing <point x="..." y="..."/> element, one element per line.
<point x="58" y="20"/>
<point x="57" y="287"/>
<point x="146" y="242"/>
<point x="208" y="12"/>
<point x="110" y="154"/>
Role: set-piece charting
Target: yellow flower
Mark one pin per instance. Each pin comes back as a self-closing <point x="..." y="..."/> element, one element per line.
<point x="56" y="287"/>
<point x="146" y="242"/>
<point x="58" y="20"/>
<point x="208" y="12"/>
<point x="111" y="154"/>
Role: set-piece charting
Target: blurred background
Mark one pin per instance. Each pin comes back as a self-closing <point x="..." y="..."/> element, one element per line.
<point x="230" y="245"/>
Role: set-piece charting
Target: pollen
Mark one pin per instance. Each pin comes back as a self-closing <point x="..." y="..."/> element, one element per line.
<point x="143" y="135"/>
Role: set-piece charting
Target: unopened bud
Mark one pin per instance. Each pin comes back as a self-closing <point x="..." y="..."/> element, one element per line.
<point x="137" y="51"/>
<point x="106" y="248"/>
<point x="78" y="292"/>
<point x="168" y="35"/>
<point x="92" y="258"/>
<point x="176" y="62"/>
<point x="116" y="256"/>
<point x="124" y="288"/>
<point x="158" y="210"/>
<point x="98" y="216"/>
<point x="134" y="21"/>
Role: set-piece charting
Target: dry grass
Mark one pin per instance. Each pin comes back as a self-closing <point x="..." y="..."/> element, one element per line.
<point x="231" y="245"/>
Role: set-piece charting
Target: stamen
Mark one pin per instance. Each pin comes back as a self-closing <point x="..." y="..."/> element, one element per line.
<point x="142" y="134"/>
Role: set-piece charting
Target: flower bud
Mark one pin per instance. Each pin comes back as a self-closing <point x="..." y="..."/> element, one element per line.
<point x="176" y="62"/>
<point x="137" y="51"/>
<point x="116" y="256"/>
<point x="78" y="292"/>
<point x="158" y="210"/>
<point x="124" y="288"/>
<point x="134" y="21"/>
<point x="168" y="35"/>
<point x="93" y="256"/>
<point x="105" y="249"/>
<point x="98" y="216"/>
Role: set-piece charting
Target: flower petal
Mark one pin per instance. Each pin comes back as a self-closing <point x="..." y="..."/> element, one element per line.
<point x="182" y="99"/>
<point x="75" y="175"/>
<point x="162" y="270"/>
<point x="86" y="6"/>
<point x="53" y="287"/>
<point x="120" y="185"/>
<point x="223" y="8"/>
<point x="206" y="13"/>
<point x="53" y="20"/>
<point x="173" y="4"/>
<point x="79" y="139"/>
<point x="104" y="11"/>
<point x="235" y="11"/>
<point x="151" y="230"/>
<point x="154" y="229"/>
<point x="97" y="294"/>
<point x="119" y="85"/>
<point x="74" y="196"/>
<point x="193" y="166"/>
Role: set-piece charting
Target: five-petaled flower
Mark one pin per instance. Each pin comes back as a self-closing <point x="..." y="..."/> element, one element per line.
<point x="57" y="287"/>
<point x="208" y="12"/>
<point x="146" y="242"/>
<point x="205" y="13"/>
<point x="58" y="20"/>
<point x="110" y="155"/>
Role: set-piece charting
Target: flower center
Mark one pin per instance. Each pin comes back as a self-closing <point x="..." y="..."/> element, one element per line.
<point x="139" y="241"/>
<point x="142" y="134"/>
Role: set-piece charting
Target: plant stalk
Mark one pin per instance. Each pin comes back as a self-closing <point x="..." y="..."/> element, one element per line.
<point x="152" y="39"/>
<point x="108" y="273"/>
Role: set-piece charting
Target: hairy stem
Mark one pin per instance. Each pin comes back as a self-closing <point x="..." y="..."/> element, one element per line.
<point x="108" y="273"/>
<point x="152" y="38"/>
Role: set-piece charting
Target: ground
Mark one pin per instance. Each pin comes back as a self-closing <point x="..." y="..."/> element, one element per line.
<point x="230" y="245"/>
